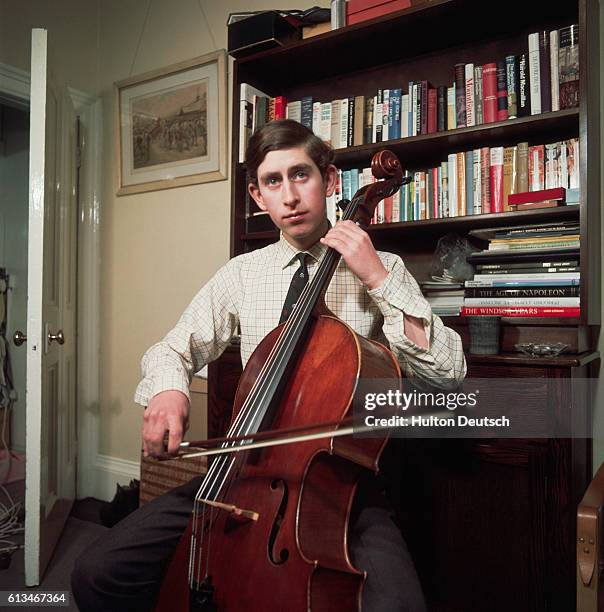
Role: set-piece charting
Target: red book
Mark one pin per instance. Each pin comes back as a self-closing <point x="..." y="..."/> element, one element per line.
<point x="528" y="197"/>
<point x="496" y="179"/>
<point x="532" y="197"/>
<point x="388" y="209"/>
<point x="435" y="193"/>
<point x="521" y="311"/>
<point x="489" y="92"/>
<point x="502" y="92"/>
<point x="485" y="180"/>
<point x="280" y="107"/>
<point x="432" y="124"/>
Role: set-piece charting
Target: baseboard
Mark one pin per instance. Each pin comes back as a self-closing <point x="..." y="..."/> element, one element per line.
<point x="107" y="472"/>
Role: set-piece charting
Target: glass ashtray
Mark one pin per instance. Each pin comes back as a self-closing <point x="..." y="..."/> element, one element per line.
<point x="541" y="350"/>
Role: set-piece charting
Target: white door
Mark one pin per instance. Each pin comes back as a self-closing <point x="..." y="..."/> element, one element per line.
<point x="50" y="384"/>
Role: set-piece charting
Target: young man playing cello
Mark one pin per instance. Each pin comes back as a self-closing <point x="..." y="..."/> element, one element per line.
<point x="290" y="174"/>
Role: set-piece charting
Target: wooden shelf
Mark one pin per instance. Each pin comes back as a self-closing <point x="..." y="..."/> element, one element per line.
<point x="414" y="151"/>
<point x="454" y="223"/>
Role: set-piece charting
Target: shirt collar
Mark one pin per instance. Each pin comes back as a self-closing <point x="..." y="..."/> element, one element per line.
<point x="286" y="253"/>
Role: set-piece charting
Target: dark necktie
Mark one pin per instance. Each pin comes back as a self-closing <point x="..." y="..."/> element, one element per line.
<point x="296" y="287"/>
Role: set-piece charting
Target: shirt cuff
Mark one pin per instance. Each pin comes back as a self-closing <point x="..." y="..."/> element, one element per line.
<point x="150" y="387"/>
<point x="395" y="295"/>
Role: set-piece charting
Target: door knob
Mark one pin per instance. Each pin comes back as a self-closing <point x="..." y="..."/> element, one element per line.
<point x="19" y="338"/>
<point x="58" y="337"/>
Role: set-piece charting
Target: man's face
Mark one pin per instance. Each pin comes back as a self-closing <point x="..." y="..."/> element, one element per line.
<point x="292" y="190"/>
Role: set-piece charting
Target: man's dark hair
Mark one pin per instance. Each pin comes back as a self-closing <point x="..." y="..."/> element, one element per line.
<point x="285" y="134"/>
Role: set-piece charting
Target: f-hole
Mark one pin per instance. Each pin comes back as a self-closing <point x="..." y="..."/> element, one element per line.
<point x="281" y="556"/>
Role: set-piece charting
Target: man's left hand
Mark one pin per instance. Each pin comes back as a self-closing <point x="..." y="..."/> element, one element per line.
<point x="355" y="246"/>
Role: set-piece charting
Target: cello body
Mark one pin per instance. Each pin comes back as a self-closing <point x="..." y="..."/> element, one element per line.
<point x="295" y="556"/>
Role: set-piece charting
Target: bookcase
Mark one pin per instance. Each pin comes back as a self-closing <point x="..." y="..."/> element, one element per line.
<point x="511" y="525"/>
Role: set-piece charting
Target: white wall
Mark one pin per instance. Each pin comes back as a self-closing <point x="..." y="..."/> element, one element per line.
<point x="14" y="170"/>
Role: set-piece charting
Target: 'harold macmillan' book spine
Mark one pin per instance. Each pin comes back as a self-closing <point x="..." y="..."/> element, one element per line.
<point x="524" y="91"/>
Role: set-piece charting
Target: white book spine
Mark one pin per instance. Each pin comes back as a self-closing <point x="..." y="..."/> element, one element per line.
<point x="444" y="188"/>
<point x="452" y="180"/>
<point x="562" y="166"/>
<point x="344" y="123"/>
<point x="404" y="115"/>
<point x="477" y="177"/>
<point x="551" y="165"/>
<point x="414" y="109"/>
<point x="555" y="75"/>
<point x="534" y="73"/>
<point x="325" y="126"/>
<point x="316" y="118"/>
<point x="470" y="100"/>
<point x="294" y="111"/>
<point x="375" y="119"/>
<point x="385" y="112"/>
<point x="451" y="114"/>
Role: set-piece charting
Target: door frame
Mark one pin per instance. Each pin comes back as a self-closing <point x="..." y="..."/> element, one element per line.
<point x="15" y="86"/>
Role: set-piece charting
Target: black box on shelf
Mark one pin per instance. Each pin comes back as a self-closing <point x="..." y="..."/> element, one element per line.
<point x="260" y="32"/>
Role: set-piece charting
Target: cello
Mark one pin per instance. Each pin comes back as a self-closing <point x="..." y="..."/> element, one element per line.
<point x="269" y="526"/>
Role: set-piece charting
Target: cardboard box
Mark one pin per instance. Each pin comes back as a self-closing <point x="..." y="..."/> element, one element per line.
<point x="362" y="10"/>
<point x="316" y="29"/>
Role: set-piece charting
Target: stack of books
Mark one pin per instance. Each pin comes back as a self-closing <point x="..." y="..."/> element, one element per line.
<point x="445" y="297"/>
<point x="526" y="271"/>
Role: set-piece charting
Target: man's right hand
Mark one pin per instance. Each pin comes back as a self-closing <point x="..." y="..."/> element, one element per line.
<point x="167" y="411"/>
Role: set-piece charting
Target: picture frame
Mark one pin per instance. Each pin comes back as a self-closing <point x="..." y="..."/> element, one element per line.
<point x="171" y="127"/>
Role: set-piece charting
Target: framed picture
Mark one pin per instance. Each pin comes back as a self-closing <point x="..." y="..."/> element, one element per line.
<point x="171" y="125"/>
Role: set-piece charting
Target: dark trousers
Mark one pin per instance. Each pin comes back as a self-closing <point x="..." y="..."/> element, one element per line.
<point x="122" y="571"/>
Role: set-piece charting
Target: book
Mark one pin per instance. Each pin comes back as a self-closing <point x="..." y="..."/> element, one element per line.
<point x="519" y="292"/>
<point x="477" y="180"/>
<point x="246" y="115"/>
<point x="524" y="90"/>
<point x="368" y="121"/>
<point x="511" y="74"/>
<point x="510" y="174"/>
<point x="572" y="163"/>
<point x="325" y="122"/>
<point x="469" y="166"/>
<point x="280" y="107"/>
<point x="522" y="184"/>
<point x="485" y="180"/>
<point x="461" y="184"/>
<point x="536" y="168"/>
<point x="496" y="179"/>
<point x="460" y="95"/>
<point x="358" y="121"/>
<point x="452" y="184"/>
<point x="523" y="301"/>
<point x="542" y="195"/>
<point x="478" y="118"/>
<point x="521" y="311"/>
<point x="545" y="72"/>
<point x="537" y="205"/>
<point x="529" y="276"/>
<point x="502" y="91"/>
<point x="554" y="54"/>
<point x="432" y="111"/>
<point x="451" y="113"/>
<point x="385" y="115"/>
<point x="520" y="265"/>
<point x="306" y="118"/>
<point x="527" y="255"/>
<point x="568" y="66"/>
<point x="534" y="73"/>
<point x="316" y="118"/>
<point x="489" y="92"/>
<point x="441" y="108"/>
<point x="334" y="124"/>
<point x="294" y="111"/>
<point x="469" y="95"/>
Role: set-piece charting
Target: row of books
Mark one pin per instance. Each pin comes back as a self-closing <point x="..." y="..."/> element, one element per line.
<point x="525" y="271"/>
<point x="476" y="182"/>
<point x="544" y="78"/>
